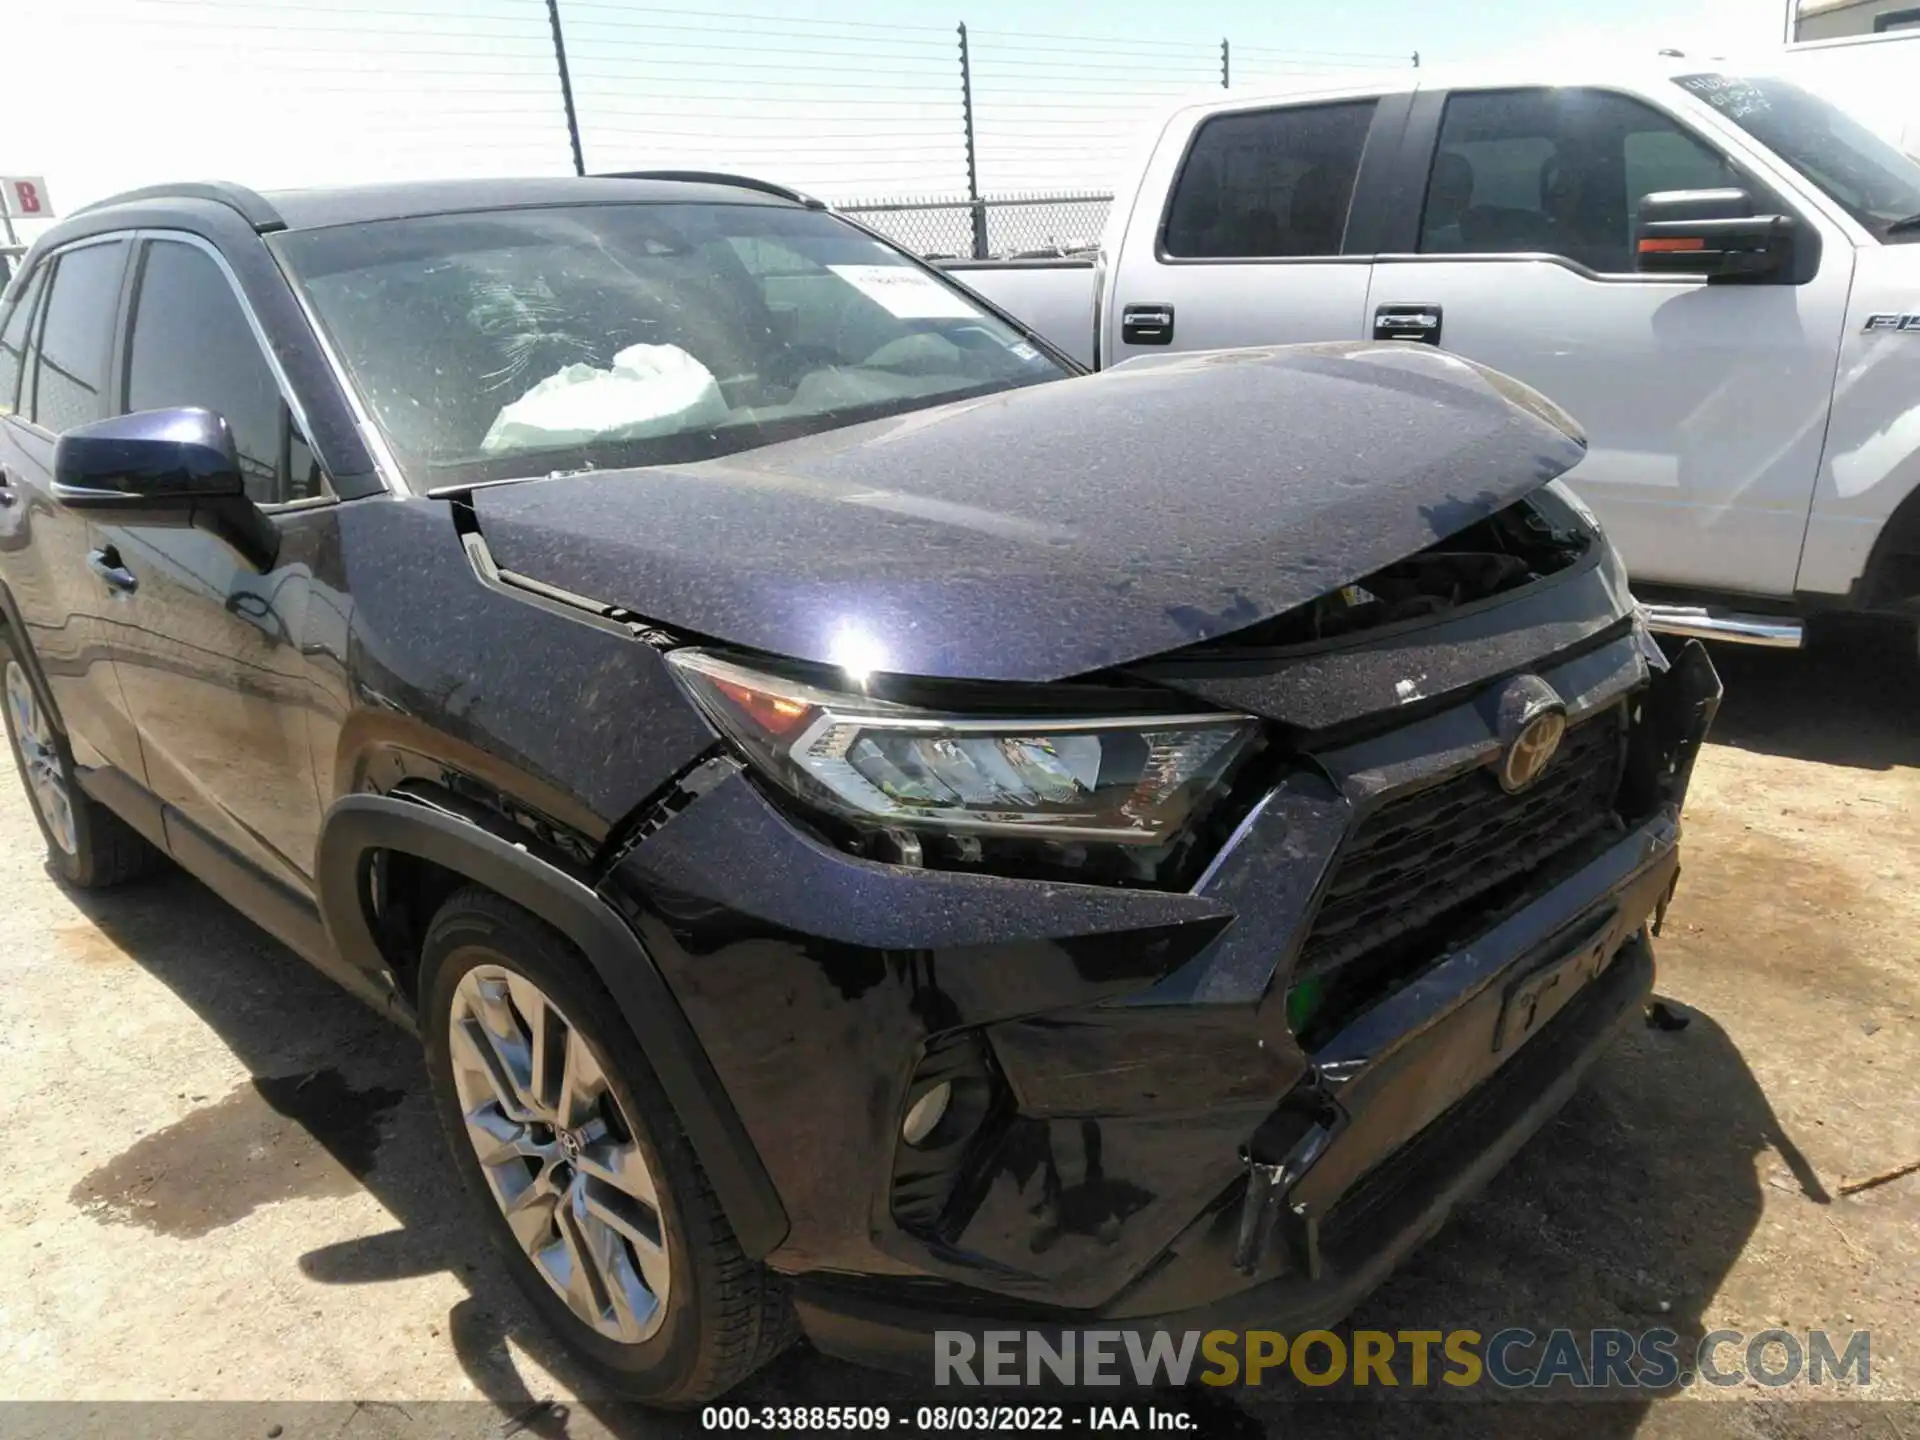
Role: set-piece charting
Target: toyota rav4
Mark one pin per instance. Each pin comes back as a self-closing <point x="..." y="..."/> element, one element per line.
<point x="876" y="831"/>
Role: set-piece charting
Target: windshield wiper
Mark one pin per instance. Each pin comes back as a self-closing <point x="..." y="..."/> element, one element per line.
<point x="1902" y="226"/>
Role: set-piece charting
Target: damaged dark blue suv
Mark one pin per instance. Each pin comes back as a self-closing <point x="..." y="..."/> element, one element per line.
<point x="876" y="831"/>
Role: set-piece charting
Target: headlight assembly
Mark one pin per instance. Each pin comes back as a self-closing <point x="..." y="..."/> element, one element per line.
<point x="1126" y="780"/>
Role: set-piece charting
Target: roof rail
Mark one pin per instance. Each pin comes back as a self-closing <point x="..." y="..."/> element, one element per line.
<point x="254" y="208"/>
<point x="719" y="177"/>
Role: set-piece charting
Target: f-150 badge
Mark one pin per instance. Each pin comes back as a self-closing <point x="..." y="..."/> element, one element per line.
<point x="1889" y="321"/>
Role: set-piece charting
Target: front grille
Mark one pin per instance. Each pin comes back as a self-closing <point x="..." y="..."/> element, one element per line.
<point x="1422" y="860"/>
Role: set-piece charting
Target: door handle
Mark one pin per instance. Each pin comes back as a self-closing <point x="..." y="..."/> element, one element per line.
<point x="106" y="564"/>
<point x="1146" y="324"/>
<point x="1418" y="322"/>
<point x="7" y="497"/>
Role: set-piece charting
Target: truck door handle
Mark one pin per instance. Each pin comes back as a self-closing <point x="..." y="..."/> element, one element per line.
<point x="106" y="564"/>
<point x="1146" y="324"/>
<point x="1413" y="321"/>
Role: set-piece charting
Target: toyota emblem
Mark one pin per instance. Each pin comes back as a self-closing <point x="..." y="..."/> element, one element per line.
<point x="1533" y="720"/>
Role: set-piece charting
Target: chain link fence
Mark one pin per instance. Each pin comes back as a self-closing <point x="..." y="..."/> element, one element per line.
<point x="956" y="141"/>
<point x="996" y="227"/>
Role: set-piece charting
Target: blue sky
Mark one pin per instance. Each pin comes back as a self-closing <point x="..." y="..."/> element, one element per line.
<point x="847" y="97"/>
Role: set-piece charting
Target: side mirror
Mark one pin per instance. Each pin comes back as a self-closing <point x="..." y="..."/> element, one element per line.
<point x="1712" y="233"/>
<point x="170" y="468"/>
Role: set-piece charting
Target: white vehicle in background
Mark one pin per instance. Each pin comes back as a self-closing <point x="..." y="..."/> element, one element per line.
<point x="1871" y="75"/>
<point x="1715" y="270"/>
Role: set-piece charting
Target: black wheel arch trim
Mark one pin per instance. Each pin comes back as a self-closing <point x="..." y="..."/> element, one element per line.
<point x="1876" y="589"/>
<point x="359" y="824"/>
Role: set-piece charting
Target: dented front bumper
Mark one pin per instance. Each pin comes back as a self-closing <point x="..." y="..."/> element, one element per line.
<point x="1383" y="1221"/>
<point x="1133" y="1077"/>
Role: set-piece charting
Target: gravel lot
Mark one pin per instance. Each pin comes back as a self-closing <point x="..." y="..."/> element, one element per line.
<point x="223" y="1178"/>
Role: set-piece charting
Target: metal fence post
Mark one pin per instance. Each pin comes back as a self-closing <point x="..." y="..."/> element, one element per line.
<point x="973" y="161"/>
<point x="566" y="86"/>
<point x="1226" y="64"/>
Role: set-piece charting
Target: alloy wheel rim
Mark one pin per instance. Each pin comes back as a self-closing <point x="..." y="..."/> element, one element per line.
<point x="559" y="1153"/>
<point x="40" y="757"/>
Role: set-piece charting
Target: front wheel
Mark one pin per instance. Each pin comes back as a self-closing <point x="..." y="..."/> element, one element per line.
<point x="590" y="1190"/>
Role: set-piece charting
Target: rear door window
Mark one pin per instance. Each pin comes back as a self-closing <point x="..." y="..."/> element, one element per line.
<point x="13" y="339"/>
<point x="69" y="383"/>
<point x="1273" y="184"/>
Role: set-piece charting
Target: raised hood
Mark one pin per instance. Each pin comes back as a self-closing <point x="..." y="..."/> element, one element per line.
<point x="1051" y="531"/>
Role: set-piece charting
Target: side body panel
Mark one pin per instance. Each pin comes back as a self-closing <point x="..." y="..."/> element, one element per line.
<point x="63" y="609"/>
<point x="1872" y="459"/>
<point x="1054" y="297"/>
<point x="211" y="663"/>
<point x="1705" y="406"/>
<point x="534" y="731"/>
<point x="581" y="722"/>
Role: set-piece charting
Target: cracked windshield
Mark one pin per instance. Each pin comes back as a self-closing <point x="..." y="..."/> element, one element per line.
<point x="587" y="336"/>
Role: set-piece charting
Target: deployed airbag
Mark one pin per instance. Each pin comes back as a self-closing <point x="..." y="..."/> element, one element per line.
<point x="651" y="390"/>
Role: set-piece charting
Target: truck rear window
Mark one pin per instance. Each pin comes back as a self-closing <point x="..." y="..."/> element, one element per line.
<point x="1268" y="184"/>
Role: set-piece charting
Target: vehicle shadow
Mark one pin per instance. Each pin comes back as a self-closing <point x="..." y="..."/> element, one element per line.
<point x="346" y="1081"/>
<point x="1627" y="1211"/>
<point x="1848" y="699"/>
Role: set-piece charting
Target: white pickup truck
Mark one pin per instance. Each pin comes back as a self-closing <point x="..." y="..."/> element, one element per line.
<point x="1715" y="271"/>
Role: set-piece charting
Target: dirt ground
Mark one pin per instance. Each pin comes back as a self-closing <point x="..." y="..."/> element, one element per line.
<point x="222" y="1177"/>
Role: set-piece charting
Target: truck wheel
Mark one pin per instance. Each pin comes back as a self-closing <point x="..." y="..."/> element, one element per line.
<point x="593" y="1195"/>
<point x="88" y="845"/>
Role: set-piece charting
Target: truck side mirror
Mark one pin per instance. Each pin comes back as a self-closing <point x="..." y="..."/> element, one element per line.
<point x="1712" y="233"/>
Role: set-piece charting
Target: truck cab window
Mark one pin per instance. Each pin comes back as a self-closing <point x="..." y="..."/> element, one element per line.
<point x="191" y="345"/>
<point x="1669" y="159"/>
<point x="1270" y="185"/>
<point x="1555" y="172"/>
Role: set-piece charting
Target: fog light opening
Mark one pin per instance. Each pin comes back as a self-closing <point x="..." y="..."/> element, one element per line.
<point x="926" y="1113"/>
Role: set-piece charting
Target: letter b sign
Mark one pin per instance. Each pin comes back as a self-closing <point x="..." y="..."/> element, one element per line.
<point x="24" y="197"/>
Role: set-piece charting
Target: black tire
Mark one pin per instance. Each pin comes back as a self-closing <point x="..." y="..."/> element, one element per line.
<point x="106" y="850"/>
<point x="725" y="1315"/>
